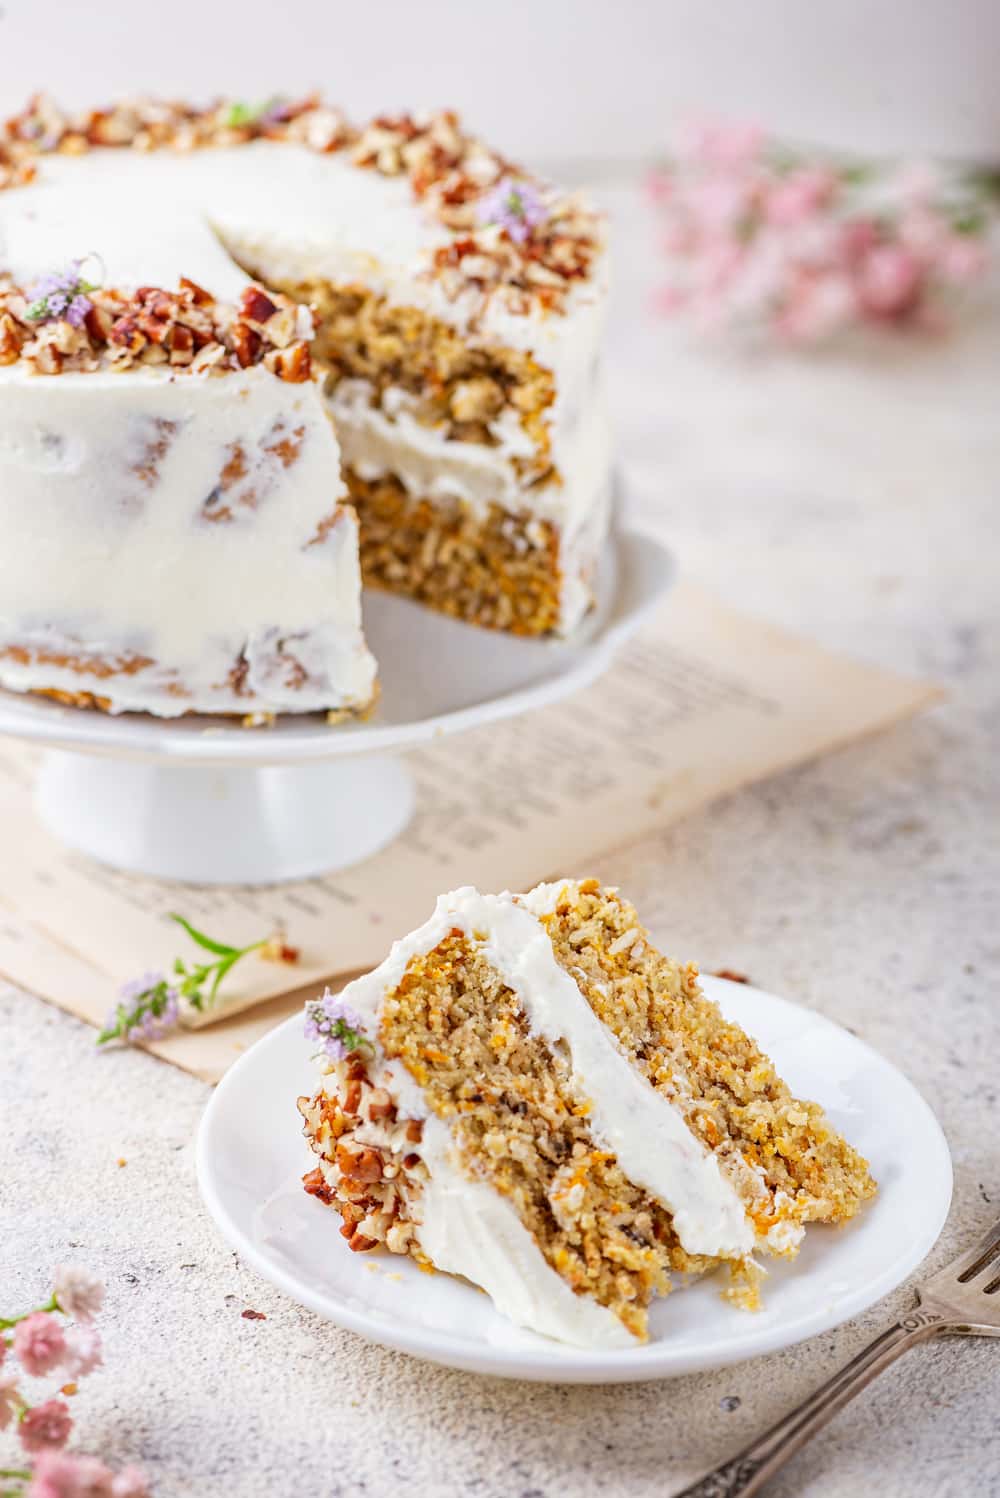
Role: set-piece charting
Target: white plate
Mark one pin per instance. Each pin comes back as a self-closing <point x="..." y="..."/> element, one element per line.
<point x="251" y="1156"/>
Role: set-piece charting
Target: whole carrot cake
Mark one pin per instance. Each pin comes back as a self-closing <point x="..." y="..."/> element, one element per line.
<point x="187" y="296"/>
<point x="528" y="1094"/>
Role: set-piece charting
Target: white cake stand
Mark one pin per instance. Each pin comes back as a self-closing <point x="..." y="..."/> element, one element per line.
<point x="207" y="801"/>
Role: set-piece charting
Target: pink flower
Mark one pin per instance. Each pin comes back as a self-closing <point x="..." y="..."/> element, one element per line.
<point x="918" y="181"/>
<point x="889" y="282"/>
<point x="659" y="186"/>
<point x="799" y="196"/>
<point x="130" y="1483"/>
<point x="963" y="258"/>
<point x="60" y="1474"/>
<point x="923" y="232"/>
<point x="46" y="1425"/>
<point x="78" y="1291"/>
<point x="718" y="204"/>
<point x="669" y="299"/>
<point x="40" y="1343"/>
<point x="83" y="1351"/>
<point x="10" y="1399"/>
<point x="722" y="144"/>
<point x="858" y="237"/>
<point x="816" y="307"/>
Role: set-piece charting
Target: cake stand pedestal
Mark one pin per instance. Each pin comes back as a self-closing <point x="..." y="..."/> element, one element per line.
<point x="206" y="801"/>
<point x="234" y="824"/>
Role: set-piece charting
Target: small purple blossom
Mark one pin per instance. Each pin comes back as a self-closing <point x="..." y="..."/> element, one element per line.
<point x="516" y="206"/>
<point x="336" y="1027"/>
<point x="148" y="1008"/>
<point x="61" y="295"/>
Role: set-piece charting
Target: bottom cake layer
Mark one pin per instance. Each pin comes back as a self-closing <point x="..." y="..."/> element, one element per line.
<point x="496" y="568"/>
<point x="265" y="678"/>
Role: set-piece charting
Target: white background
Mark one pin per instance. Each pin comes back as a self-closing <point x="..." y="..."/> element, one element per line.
<point x="548" y="79"/>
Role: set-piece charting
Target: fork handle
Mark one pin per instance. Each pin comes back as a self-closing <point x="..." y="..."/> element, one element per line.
<point x="747" y="1472"/>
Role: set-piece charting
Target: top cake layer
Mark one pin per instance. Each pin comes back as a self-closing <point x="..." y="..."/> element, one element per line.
<point x="411" y="201"/>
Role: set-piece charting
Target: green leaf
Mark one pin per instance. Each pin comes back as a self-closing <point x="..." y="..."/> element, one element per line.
<point x="202" y="940"/>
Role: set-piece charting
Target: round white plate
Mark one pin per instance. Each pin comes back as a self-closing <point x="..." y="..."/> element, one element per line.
<point x="251" y="1156"/>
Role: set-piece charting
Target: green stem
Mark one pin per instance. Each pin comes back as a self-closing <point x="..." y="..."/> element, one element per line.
<point x="6" y="1322"/>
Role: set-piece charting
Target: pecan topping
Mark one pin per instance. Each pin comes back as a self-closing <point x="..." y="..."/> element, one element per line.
<point x="359" y="1162"/>
<point x="454" y="176"/>
<point x="186" y="329"/>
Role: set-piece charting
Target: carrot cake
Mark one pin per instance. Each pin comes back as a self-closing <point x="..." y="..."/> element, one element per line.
<point x="528" y="1094"/>
<point x="458" y="305"/>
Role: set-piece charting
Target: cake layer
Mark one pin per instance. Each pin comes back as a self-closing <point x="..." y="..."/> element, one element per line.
<point x="790" y="1166"/>
<point x="491" y="567"/>
<point x="175" y="542"/>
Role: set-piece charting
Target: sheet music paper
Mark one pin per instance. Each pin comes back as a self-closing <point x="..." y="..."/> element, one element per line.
<point x="705" y="700"/>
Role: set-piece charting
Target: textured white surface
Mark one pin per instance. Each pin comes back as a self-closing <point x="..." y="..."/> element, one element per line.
<point x="853" y="499"/>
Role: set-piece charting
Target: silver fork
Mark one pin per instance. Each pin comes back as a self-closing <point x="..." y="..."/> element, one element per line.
<point x="962" y="1299"/>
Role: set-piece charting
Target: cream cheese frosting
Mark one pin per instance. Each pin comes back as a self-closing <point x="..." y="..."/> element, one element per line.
<point x="113" y="553"/>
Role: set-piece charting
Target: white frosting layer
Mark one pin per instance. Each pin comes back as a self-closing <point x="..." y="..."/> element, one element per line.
<point x="106" y="483"/>
<point x="376" y="440"/>
<point x="290" y="214"/>
<point x="429" y="465"/>
<point x="294" y="213"/>
<point x="468" y="1228"/>
<point x="628" y="1117"/>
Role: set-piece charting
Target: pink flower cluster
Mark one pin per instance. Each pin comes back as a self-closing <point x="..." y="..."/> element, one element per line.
<point x="41" y="1346"/>
<point x="754" y="235"/>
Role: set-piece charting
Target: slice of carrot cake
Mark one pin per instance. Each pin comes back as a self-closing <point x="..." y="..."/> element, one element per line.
<point x="526" y="1093"/>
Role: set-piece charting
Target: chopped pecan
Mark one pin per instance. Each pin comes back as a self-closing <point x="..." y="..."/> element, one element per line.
<point x="359" y="1162"/>
<point x="199" y="295"/>
<point x="246" y="344"/>
<point x="316" y="1186"/>
<point x="292" y="364"/>
<point x="380" y="1104"/>
<point x="255" y="305"/>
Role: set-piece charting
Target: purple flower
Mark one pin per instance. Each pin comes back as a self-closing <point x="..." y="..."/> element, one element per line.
<point x="61" y="295"/>
<point x="335" y="1026"/>
<point x="516" y="206"/>
<point x="148" y="1008"/>
<point x="76" y="312"/>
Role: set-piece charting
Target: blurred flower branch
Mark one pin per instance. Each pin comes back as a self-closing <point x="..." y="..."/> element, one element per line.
<point x="37" y="1344"/>
<point x="801" y="247"/>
